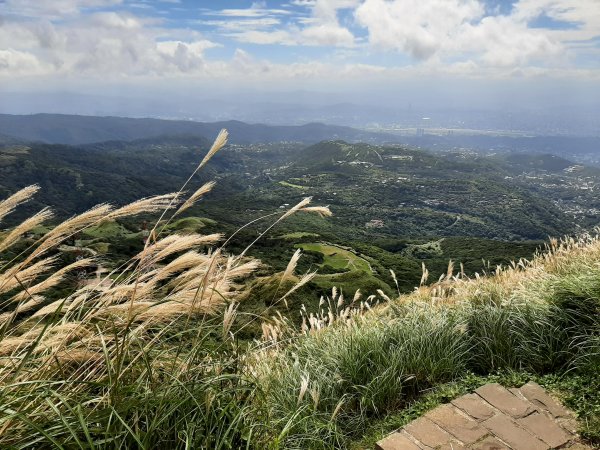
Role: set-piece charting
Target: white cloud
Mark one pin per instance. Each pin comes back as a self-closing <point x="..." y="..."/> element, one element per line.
<point x="186" y="56"/>
<point x="418" y="28"/>
<point x="254" y="11"/>
<point x="18" y="63"/>
<point x="502" y="41"/>
<point x="260" y="37"/>
<point x="321" y="28"/>
<point x="241" y="25"/>
<point x="325" y="28"/>
<point x="584" y="13"/>
<point x="330" y="34"/>
<point x="458" y="29"/>
<point x="102" y="44"/>
<point x="113" y="20"/>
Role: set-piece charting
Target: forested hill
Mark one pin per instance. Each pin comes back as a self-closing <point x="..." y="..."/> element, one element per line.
<point x="407" y="192"/>
<point x="76" y="130"/>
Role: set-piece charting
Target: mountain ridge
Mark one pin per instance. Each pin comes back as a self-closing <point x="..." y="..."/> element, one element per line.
<point x="78" y="130"/>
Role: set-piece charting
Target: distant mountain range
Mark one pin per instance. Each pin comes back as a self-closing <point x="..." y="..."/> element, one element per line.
<point x="77" y="130"/>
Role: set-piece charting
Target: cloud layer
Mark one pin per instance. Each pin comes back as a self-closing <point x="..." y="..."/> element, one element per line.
<point x="372" y="39"/>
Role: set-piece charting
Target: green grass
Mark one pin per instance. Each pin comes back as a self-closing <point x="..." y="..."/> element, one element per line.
<point x="146" y="404"/>
<point x="106" y="230"/>
<point x="291" y="185"/>
<point x="336" y="257"/>
<point x="383" y="365"/>
<point x="100" y="247"/>
<point x="189" y="224"/>
<point x="350" y="282"/>
<point x="427" y="250"/>
<point x="370" y="376"/>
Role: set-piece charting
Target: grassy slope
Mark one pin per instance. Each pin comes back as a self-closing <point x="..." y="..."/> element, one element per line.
<point x="365" y="376"/>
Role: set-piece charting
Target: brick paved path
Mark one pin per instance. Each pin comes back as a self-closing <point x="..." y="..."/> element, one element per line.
<point x="492" y="418"/>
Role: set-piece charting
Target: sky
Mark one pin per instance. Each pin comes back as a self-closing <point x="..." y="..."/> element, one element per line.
<point x="379" y="48"/>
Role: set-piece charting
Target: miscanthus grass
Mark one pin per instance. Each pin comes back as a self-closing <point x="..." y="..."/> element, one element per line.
<point x="143" y="358"/>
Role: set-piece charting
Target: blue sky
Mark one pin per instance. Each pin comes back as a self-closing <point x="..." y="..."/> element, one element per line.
<point x="162" y="45"/>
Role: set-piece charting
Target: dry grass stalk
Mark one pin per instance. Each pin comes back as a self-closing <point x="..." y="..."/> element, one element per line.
<point x="11" y="280"/>
<point x="291" y="267"/>
<point x="218" y="144"/>
<point x="203" y="190"/>
<point x="52" y="280"/>
<point x="302" y="204"/>
<point x="229" y="318"/>
<point x="322" y="211"/>
<point x="67" y="229"/>
<point x="24" y="227"/>
<point x="172" y="244"/>
<point x="306" y="278"/>
<point x="146" y="206"/>
<point x="8" y="205"/>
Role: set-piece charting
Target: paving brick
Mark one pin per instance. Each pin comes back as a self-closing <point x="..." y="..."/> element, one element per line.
<point x="515" y="391"/>
<point x="489" y="443"/>
<point x="580" y="446"/>
<point x="483" y="421"/>
<point x="538" y="396"/>
<point x="546" y="429"/>
<point x="568" y="424"/>
<point x="396" y="441"/>
<point x="504" y="400"/>
<point x="463" y="428"/>
<point x="427" y="432"/>
<point x="474" y="406"/>
<point x="510" y="432"/>
<point x="453" y="445"/>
